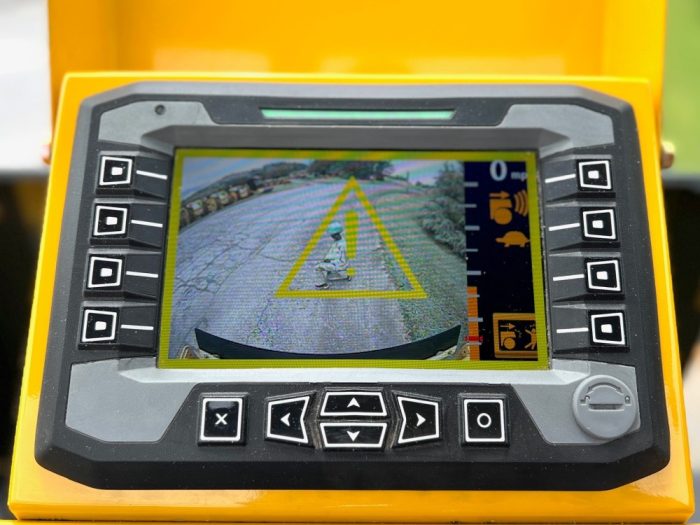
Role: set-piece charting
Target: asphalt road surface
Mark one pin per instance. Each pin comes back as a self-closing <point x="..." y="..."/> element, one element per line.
<point x="231" y="263"/>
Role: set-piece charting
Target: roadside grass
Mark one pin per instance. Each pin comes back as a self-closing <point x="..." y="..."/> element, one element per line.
<point x="681" y="103"/>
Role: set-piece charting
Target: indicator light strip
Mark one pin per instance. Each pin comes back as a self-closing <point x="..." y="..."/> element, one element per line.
<point x="560" y="178"/>
<point x="143" y="274"/>
<point x="136" y="327"/>
<point x="151" y="175"/>
<point x="568" y="277"/>
<point x="572" y="330"/>
<point x="348" y="114"/>
<point x="565" y="226"/>
<point x="147" y="223"/>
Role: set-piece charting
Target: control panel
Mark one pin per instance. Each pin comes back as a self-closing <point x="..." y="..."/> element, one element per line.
<point x="389" y="287"/>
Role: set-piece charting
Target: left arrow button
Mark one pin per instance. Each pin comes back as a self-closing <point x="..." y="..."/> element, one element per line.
<point x="286" y="419"/>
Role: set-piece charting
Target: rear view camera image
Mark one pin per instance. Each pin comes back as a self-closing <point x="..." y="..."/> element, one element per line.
<point x="285" y="254"/>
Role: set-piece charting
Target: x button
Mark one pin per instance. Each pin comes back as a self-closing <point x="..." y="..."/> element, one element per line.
<point x="221" y="420"/>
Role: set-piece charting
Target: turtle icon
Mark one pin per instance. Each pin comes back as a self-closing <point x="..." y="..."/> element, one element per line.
<point x="513" y="238"/>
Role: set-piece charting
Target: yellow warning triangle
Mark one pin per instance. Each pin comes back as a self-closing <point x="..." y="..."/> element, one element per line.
<point x="352" y="187"/>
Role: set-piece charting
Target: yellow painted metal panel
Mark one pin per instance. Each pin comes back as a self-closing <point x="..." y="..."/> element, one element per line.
<point x="623" y="38"/>
<point x="36" y="493"/>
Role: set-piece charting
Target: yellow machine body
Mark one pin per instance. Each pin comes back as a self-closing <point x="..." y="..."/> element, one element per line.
<point x="36" y="493"/>
<point x="596" y="38"/>
<point x="612" y="46"/>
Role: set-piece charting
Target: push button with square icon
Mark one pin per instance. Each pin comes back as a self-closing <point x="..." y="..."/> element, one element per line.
<point x="599" y="224"/>
<point x="104" y="272"/>
<point x="110" y="221"/>
<point x="603" y="276"/>
<point x="99" y="326"/>
<point x="115" y="171"/>
<point x="608" y="329"/>
<point x="594" y="175"/>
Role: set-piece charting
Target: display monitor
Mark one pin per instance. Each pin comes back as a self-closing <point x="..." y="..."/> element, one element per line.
<point x="364" y="288"/>
<point x="385" y="258"/>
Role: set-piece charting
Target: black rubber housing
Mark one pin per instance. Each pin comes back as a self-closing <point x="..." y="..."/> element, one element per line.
<point x="178" y="462"/>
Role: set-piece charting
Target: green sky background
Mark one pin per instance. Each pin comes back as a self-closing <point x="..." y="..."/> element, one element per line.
<point x="681" y="105"/>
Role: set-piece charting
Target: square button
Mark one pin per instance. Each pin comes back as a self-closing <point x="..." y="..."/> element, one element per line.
<point x="110" y="221"/>
<point x="222" y="420"/>
<point x="99" y="326"/>
<point x="608" y="328"/>
<point x="594" y="175"/>
<point x="603" y="276"/>
<point x="115" y="171"/>
<point x="104" y="272"/>
<point x="484" y="421"/>
<point x="599" y="224"/>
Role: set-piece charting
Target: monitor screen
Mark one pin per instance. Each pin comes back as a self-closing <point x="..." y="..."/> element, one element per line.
<point x="353" y="258"/>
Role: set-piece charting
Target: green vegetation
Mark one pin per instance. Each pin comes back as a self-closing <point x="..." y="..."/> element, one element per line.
<point x="444" y="217"/>
<point x="251" y="178"/>
<point x="681" y="104"/>
<point x="344" y="169"/>
<point x="446" y="287"/>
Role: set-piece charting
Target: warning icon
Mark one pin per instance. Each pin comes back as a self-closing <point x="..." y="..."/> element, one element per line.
<point x="350" y="255"/>
<point x="515" y="335"/>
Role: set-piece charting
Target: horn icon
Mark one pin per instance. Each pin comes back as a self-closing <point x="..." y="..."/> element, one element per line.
<point x="521" y="203"/>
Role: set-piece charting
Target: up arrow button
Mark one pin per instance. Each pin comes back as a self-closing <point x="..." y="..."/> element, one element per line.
<point x="354" y="403"/>
<point x="420" y="420"/>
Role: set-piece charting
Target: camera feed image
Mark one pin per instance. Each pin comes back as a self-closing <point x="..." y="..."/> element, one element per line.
<point x="318" y="255"/>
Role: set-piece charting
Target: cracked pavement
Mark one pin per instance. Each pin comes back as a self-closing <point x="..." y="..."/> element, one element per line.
<point x="231" y="262"/>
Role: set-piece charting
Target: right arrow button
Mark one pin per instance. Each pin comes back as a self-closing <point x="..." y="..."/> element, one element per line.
<point x="420" y="420"/>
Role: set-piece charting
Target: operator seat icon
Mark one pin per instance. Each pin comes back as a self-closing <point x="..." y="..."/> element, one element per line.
<point x="334" y="266"/>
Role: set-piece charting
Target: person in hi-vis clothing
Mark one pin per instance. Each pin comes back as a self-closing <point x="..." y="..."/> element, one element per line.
<point x="335" y="264"/>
